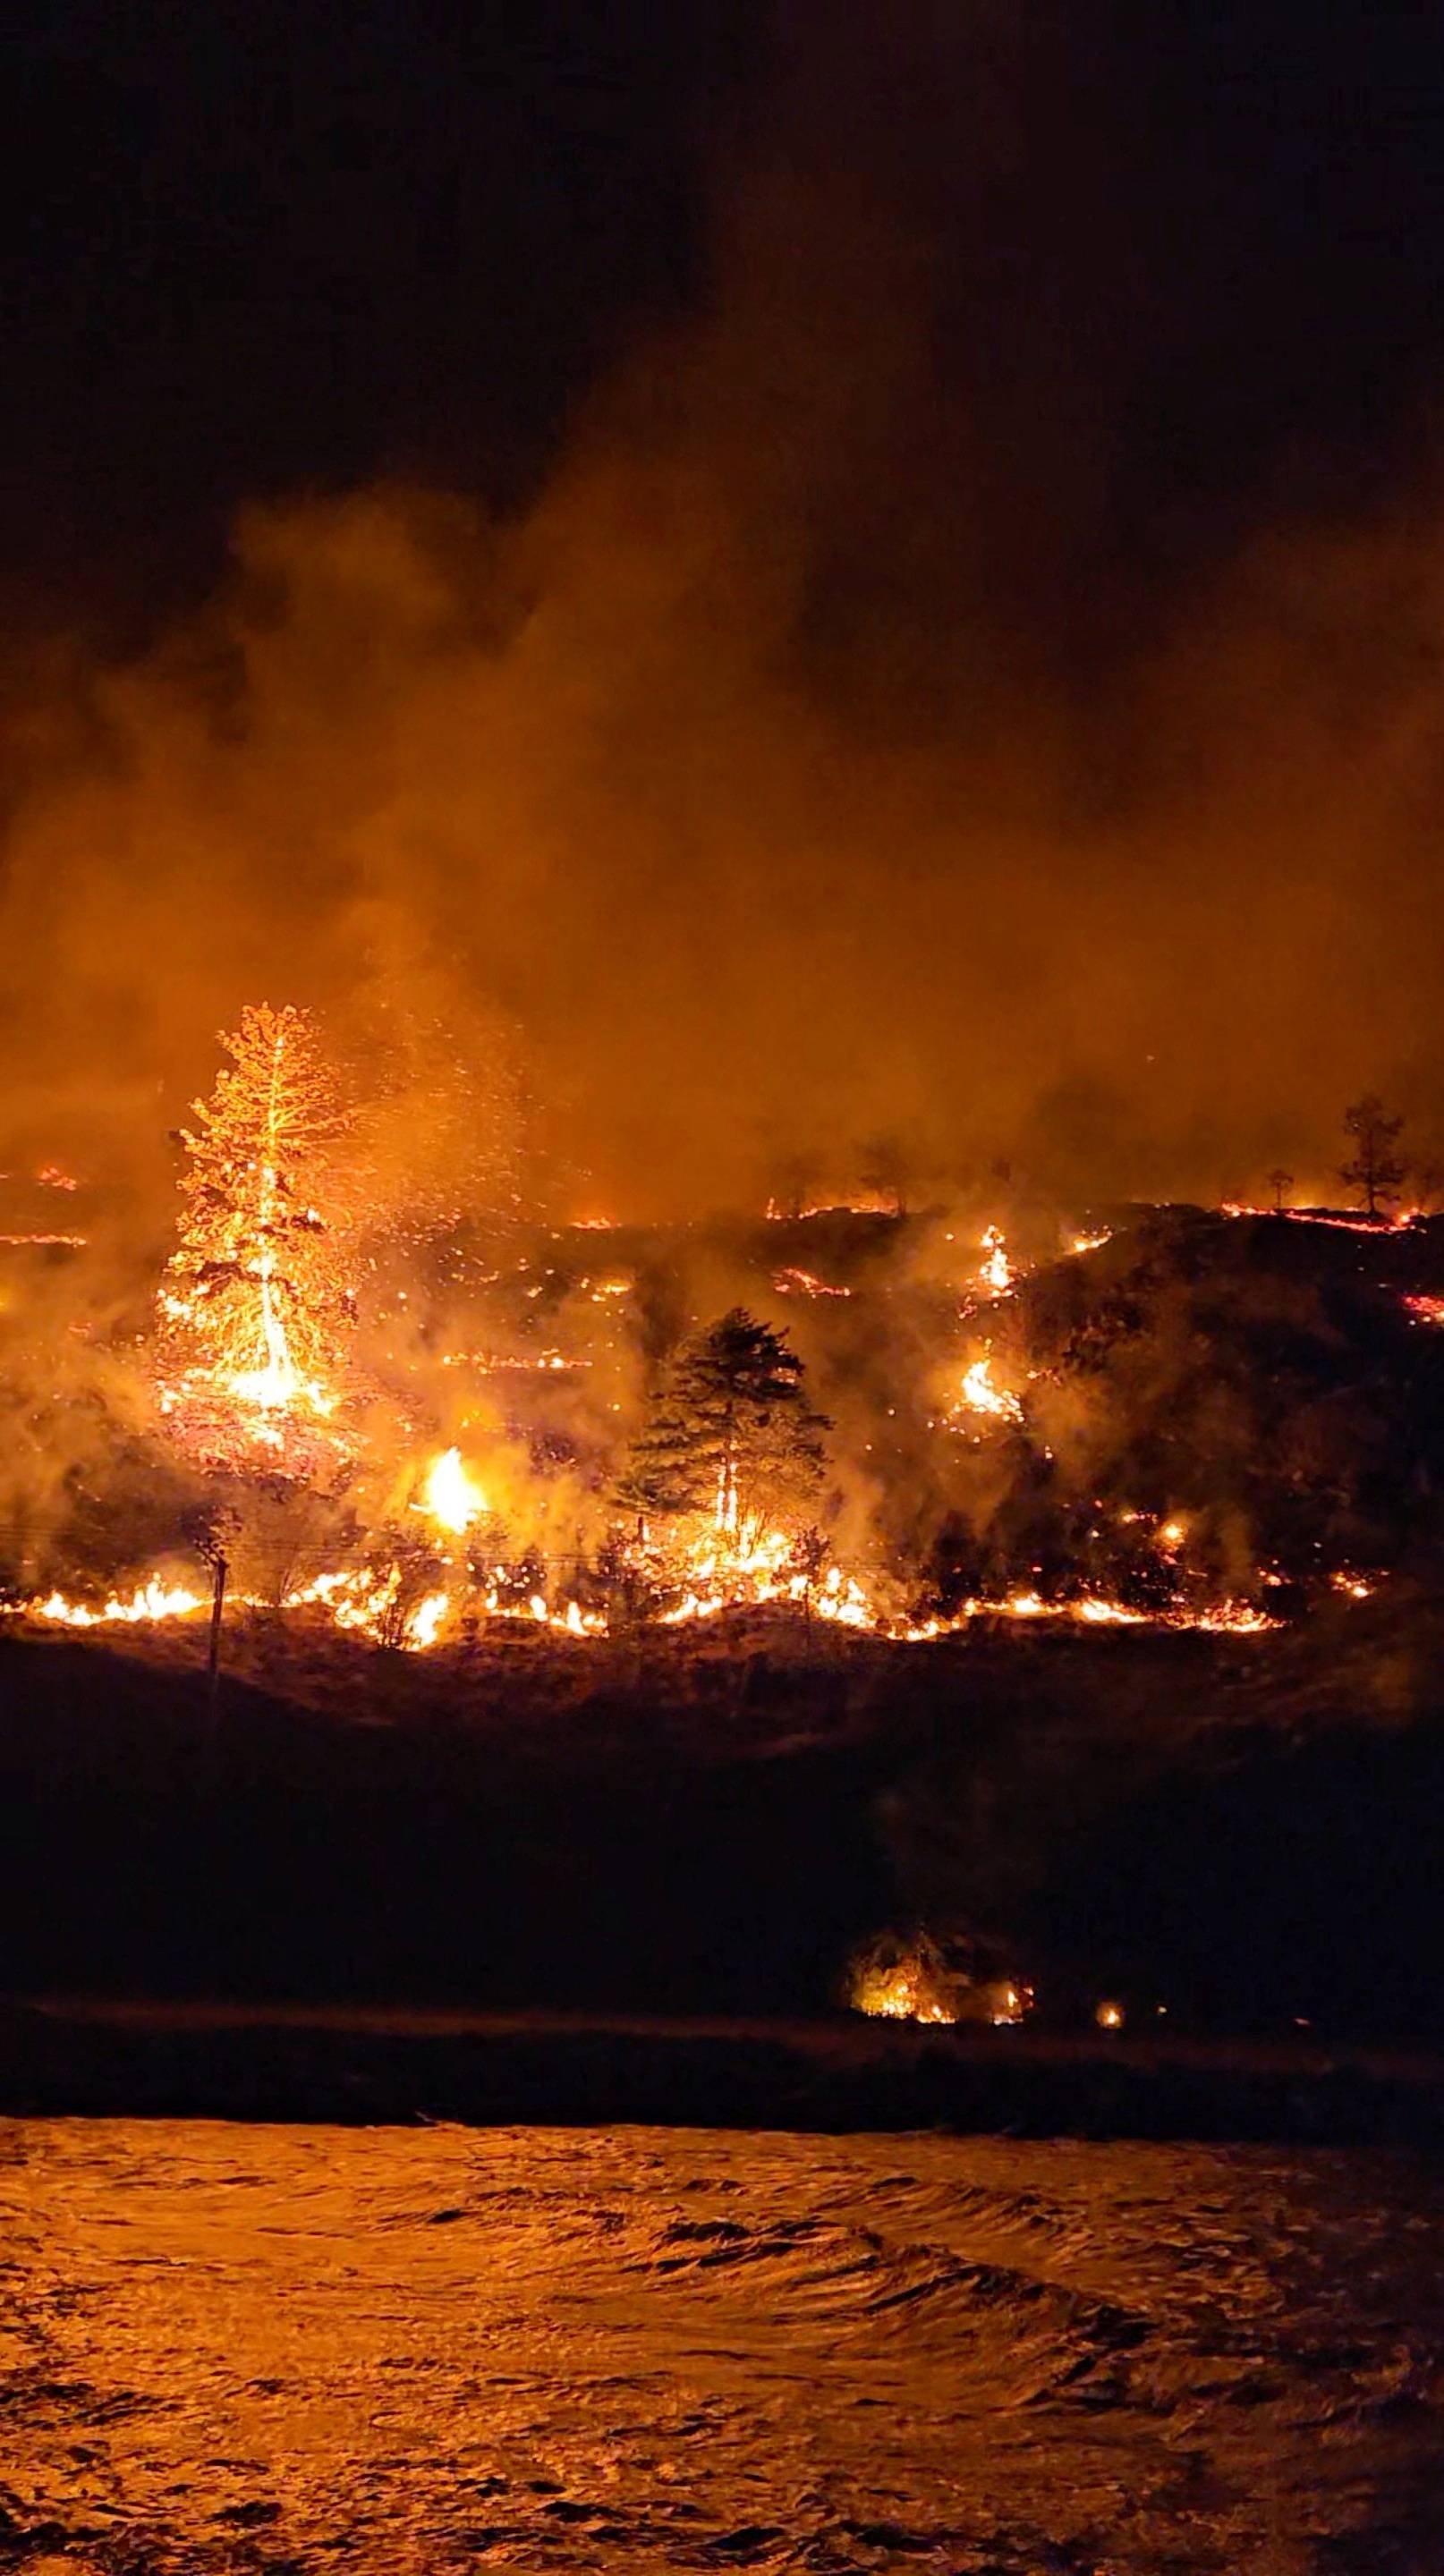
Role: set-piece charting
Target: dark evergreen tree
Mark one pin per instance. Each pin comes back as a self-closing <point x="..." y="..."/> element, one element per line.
<point x="731" y="1433"/>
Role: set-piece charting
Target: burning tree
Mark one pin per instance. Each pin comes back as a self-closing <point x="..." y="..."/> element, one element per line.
<point x="732" y="1434"/>
<point x="1375" y="1171"/>
<point x="256" y="1299"/>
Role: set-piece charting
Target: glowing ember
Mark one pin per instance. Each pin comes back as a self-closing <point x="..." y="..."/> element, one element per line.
<point x="1400" y="1224"/>
<point x="1082" y="1243"/>
<point x="450" y="1496"/>
<point x="995" y="1269"/>
<point x="805" y="1283"/>
<point x="1426" y="1310"/>
<point x="1109" y="2016"/>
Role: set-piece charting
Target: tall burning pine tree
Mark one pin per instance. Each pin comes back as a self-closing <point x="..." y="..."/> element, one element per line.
<point x="256" y="1300"/>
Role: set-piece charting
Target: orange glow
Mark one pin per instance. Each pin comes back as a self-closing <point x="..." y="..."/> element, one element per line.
<point x="995" y="1270"/>
<point x="450" y="1496"/>
<point x="150" y="1601"/>
<point x="978" y="1394"/>
<point x="805" y="1283"/>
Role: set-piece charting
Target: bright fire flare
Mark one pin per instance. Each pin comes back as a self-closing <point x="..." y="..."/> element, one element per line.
<point x="450" y="1496"/>
<point x="978" y="1394"/>
<point x="995" y="1269"/>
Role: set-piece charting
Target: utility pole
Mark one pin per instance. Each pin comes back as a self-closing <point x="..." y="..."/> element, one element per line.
<point x="213" y="1662"/>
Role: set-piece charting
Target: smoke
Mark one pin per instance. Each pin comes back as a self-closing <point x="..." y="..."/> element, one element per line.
<point x="819" y="754"/>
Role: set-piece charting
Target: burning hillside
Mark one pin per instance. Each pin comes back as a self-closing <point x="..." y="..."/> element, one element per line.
<point x="326" y="1409"/>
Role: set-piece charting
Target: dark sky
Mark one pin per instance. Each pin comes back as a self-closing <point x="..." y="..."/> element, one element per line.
<point x="841" y="567"/>
<point x="268" y="244"/>
<point x="263" y="244"/>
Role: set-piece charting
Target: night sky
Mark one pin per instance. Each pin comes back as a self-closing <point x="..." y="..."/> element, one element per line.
<point x="257" y="248"/>
<point x="916" y="485"/>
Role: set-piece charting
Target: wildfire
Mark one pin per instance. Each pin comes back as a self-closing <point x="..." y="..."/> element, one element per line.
<point x="718" y="1568"/>
<point x="257" y="1297"/>
<point x="150" y="1601"/>
<point x="916" y="1984"/>
<point x="903" y="1993"/>
<point x="1401" y="1224"/>
<point x="450" y="1496"/>
<point x="805" y="1283"/>
<point x="995" y="1269"/>
<point x="254" y="1378"/>
<point x="978" y="1394"/>
<point x="1095" y="1610"/>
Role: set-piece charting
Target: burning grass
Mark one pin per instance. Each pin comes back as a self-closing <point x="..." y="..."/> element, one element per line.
<point x="415" y="1438"/>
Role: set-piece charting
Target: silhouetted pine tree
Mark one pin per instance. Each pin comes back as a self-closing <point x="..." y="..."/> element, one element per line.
<point x="731" y="1433"/>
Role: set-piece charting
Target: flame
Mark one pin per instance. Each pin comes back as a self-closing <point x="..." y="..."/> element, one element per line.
<point x="1082" y="1243"/>
<point x="150" y="1601"/>
<point x="805" y="1283"/>
<point x="995" y="1270"/>
<point x="1426" y="1310"/>
<point x="451" y="1497"/>
<point x="426" y="1619"/>
<point x="904" y="1992"/>
<point x="979" y="1395"/>
<point x="919" y="1987"/>
<point x="1381" y="1224"/>
<point x="712" y="1574"/>
<point x="722" y="1565"/>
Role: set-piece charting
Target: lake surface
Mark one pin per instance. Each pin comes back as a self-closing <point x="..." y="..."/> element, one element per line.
<point x="278" y="2349"/>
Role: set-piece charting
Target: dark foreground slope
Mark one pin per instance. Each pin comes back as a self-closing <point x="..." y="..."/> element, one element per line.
<point x="1245" y="1832"/>
<point x="338" y="2064"/>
